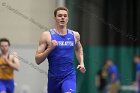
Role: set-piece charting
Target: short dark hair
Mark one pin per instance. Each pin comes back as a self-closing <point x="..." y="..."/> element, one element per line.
<point x="137" y="56"/>
<point x="109" y="59"/>
<point x="59" y="8"/>
<point x="5" y="40"/>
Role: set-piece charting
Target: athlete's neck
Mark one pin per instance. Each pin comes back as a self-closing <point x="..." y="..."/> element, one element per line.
<point x="5" y="53"/>
<point x="61" y="30"/>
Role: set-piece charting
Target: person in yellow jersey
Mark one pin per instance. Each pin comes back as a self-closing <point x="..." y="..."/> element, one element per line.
<point x="8" y="63"/>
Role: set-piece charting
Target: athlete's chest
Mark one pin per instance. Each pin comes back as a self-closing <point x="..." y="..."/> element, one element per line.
<point x="3" y="61"/>
<point x="64" y="41"/>
<point x="3" y="64"/>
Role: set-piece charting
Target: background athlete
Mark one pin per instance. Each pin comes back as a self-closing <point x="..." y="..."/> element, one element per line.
<point x="8" y="63"/>
<point x="58" y="45"/>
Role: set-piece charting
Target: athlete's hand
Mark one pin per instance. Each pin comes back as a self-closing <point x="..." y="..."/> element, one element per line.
<point x="53" y="44"/>
<point x="81" y="68"/>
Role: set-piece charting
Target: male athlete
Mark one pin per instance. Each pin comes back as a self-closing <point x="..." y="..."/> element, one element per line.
<point x="8" y="63"/>
<point x="58" y="45"/>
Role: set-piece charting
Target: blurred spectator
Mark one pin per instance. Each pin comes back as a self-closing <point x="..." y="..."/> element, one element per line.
<point x="101" y="79"/>
<point x="113" y="77"/>
<point x="137" y="62"/>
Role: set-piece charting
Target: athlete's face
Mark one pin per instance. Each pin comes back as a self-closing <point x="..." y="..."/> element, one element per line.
<point x="109" y="62"/>
<point x="61" y="18"/>
<point x="4" y="46"/>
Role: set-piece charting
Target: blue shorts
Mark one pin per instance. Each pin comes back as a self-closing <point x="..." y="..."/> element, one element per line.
<point x="7" y="86"/>
<point x="60" y="85"/>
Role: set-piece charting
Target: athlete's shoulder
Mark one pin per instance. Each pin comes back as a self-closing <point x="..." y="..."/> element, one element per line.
<point x="46" y="33"/>
<point x="76" y="33"/>
<point x="13" y="55"/>
<point x="45" y="37"/>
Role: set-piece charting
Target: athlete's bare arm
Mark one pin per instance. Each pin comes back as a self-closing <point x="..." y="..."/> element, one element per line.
<point x="79" y="53"/>
<point x="45" y="47"/>
<point x="13" y="61"/>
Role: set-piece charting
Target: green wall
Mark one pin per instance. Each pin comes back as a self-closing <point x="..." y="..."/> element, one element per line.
<point x="95" y="56"/>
